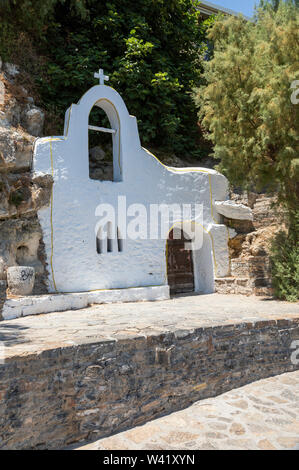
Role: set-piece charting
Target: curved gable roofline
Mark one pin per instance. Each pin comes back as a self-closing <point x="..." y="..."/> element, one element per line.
<point x="103" y="92"/>
<point x="103" y="96"/>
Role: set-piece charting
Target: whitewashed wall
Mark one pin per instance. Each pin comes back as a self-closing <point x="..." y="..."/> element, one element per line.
<point x="69" y="224"/>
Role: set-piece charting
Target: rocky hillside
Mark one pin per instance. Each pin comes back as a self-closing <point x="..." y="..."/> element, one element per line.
<point x="21" y="195"/>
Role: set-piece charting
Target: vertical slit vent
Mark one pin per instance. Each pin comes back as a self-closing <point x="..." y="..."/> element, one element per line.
<point x="109" y="238"/>
<point x="119" y="242"/>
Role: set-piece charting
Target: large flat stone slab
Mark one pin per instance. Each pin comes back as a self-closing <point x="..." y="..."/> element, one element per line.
<point x="233" y="210"/>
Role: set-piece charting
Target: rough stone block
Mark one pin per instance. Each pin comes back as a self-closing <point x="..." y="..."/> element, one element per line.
<point x="233" y="210"/>
<point x="240" y="226"/>
<point x="239" y="268"/>
<point x="21" y="244"/>
<point x="33" y="120"/>
<point x="2" y="93"/>
<point x="20" y="280"/>
<point x="11" y="70"/>
<point x="16" y="150"/>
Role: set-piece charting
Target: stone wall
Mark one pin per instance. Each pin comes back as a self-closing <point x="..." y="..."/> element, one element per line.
<point x="21" y="194"/>
<point x="249" y="249"/>
<point x="65" y="395"/>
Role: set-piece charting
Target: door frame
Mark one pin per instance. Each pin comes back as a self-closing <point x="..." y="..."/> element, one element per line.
<point x="183" y="239"/>
<point x="203" y="258"/>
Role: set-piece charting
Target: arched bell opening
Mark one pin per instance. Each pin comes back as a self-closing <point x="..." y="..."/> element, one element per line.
<point x="105" y="162"/>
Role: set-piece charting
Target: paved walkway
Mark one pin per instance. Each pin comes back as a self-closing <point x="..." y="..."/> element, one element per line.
<point x="34" y="334"/>
<point x="260" y="416"/>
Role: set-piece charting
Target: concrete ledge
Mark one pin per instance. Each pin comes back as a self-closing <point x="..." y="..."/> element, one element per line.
<point x="34" y="305"/>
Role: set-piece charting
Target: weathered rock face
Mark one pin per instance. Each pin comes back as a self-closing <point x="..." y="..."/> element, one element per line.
<point x="97" y="154"/>
<point x="16" y="107"/>
<point x="21" y="194"/>
<point x="100" y="163"/>
<point x="11" y="70"/>
<point x="33" y="120"/>
<point x="21" y="245"/>
<point x="16" y="149"/>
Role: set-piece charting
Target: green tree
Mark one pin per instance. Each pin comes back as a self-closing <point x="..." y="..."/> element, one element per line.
<point x="246" y="103"/>
<point x="31" y="16"/>
<point x="274" y="4"/>
<point x="246" y="106"/>
<point x="149" y="48"/>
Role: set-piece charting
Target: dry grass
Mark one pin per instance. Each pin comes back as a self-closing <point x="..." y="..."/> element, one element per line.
<point x="30" y="63"/>
<point x="13" y="91"/>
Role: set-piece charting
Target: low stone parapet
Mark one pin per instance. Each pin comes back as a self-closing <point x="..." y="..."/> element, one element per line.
<point x="114" y="372"/>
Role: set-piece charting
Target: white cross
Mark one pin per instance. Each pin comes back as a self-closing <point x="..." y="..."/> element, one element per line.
<point x="101" y="76"/>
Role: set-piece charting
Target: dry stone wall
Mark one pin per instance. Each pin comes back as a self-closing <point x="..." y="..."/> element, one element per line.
<point x="249" y="249"/>
<point x="61" y="396"/>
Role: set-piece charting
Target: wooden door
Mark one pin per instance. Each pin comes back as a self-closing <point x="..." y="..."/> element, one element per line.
<point x="179" y="265"/>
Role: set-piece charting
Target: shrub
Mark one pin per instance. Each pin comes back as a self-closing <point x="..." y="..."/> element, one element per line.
<point x="30" y="16"/>
<point x="285" y="262"/>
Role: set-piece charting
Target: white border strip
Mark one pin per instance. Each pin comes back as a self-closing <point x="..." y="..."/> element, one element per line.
<point x="35" y="305"/>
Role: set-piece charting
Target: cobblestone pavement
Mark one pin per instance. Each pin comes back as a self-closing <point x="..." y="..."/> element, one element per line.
<point x="261" y="416"/>
<point x="34" y="334"/>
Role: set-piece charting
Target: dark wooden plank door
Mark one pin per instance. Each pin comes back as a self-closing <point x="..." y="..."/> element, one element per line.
<point x="179" y="265"/>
